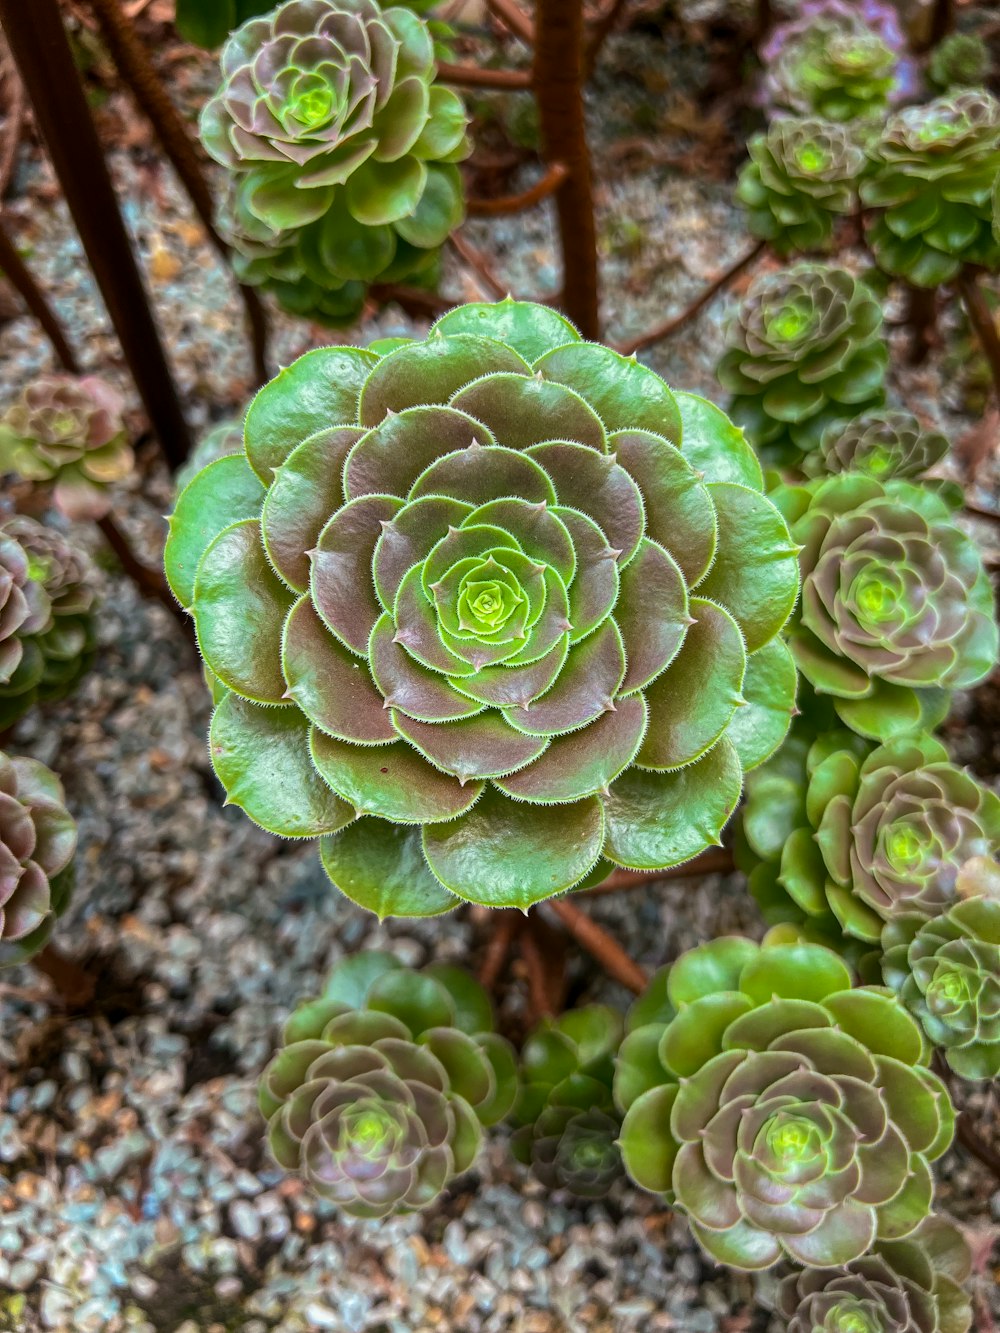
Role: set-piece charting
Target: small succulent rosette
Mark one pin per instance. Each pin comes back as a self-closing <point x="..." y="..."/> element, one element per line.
<point x="383" y="1084"/>
<point x="933" y="179"/>
<point x="805" y="350"/>
<point x="960" y="61"/>
<point x="888" y="444"/>
<point x="37" y="844"/>
<point x="342" y="150"/>
<point x="897" y="609"/>
<point x="852" y="835"/>
<point x="68" y="431"/>
<point x="566" y="1122"/>
<point x="902" y="1286"/>
<point x="788" y="1114"/>
<point x="47" y="623"/>
<point x="946" y="970"/>
<point x="802" y="175"/>
<point x="493" y="608"/>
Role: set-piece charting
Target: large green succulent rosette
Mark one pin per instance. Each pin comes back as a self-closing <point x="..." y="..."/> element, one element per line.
<point x="804" y="351"/>
<point x="850" y="835"/>
<point x="492" y="607"/>
<point x="566" y="1123"/>
<point x="786" y="1113"/>
<point x="383" y="1084"/>
<point x="946" y="970"/>
<point x="935" y="170"/>
<point x="896" y="603"/>
<point x="905" y="1286"/>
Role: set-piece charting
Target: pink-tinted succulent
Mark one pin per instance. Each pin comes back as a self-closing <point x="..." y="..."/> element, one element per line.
<point x="37" y="842"/>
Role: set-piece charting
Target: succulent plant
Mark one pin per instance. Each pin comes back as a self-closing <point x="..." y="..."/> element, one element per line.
<point x="68" y="430"/>
<point x="904" y="1286"/>
<point x="786" y="1113"/>
<point x="494" y="602"/>
<point x="380" y="1091"/>
<point x="805" y="350"/>
<point x="226" y="437"/>
<point x="946" y="970"/>
<point x="896" y="603"/>
<point x="802" y="174"/>
<point x="37" y="843"/>
<point x="836" y="59"/>
<point x="864" y="836"/>
<point x="961" y="60"/>
<point x="45" y="653"/>
<point x="935" y="168"/>
<point x="567" y="1124"/>
<point x="888" y="445"/>
<point x="343" y="150"/>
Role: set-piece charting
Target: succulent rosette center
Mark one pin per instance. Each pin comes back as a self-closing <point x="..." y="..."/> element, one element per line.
<point x="853" y="1317"/>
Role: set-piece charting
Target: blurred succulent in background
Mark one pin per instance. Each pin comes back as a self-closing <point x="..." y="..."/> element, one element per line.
<point x="508" y="598"/>
<point x="69" y="431"/>
<point x="836" y="59"/>
<point x="935" y="168"/>
<point x="804" y="350"/>
<point x="224" y="438"/>
<point x="567" y="1124"/>
<point x="786" y="1113"/>
<point x="342" y="148"/>
<point x="802" y="174"/>
<point x="961" y="60"/>
<point x="947" y="973"/>
<point x="383" y="1084"/>
<point x="47" y="625"/>
<point x="903" y="1286"/>
<point x="864" y="836"/>
<point x="37" y="843"/>
<point x="208" y="23"/>
<point x="888" y="445"/>
<point x="896" y="603"/>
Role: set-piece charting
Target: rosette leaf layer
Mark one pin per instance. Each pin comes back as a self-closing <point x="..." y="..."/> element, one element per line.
<point x="904" y="1286"/>
<point x="225" y="438"/>
<point x="380" y="1091"/>
<point x="804" y="350"/>
<point x="788" y="1114"/>
<point x="888" y="445"/>
<point x="864" y="837"/>
<point x="69" y="431"/>
<point x="947" y="973"/>
<point x="342" y="147"/>
<point x="935" y="167"/>
<point x="37" y="842"/>
<point x="48" y="612"/>
<point x="896" y="603"/>
<point x="567" y="1124"/>
<point x="802" y="174"/>
<point x="510" y="607"/>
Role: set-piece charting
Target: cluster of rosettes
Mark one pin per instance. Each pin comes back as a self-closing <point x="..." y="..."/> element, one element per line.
<point x="903" y="1286"/>
<point x="786" y="1113"/>
<point x="567" y="1126"/>
<point x="510" y="607"/>
<point x="961" y="60"/>
<point x="854" y="835"/>
<point x="69" y="432"/>
<point x="383" y="1084"/>
<point x="802" y="175"/>
<point x="804" y="351"/>
<point x="896" y="604"/>
<point x="37" y="843"/>
<point x="342" y="150"/>
<point x="889" y="445"/>
<point x="47" y="627"/>
<point x="836" y="59"/>
<point x="935" y="167"/>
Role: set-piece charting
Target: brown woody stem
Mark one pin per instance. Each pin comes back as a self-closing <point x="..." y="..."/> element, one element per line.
<point x="136" y="68"/>
<point x="478" y="263"/>
<point x="514" y="18"/>
<point x="970" y="1139"/>
<point x="471" y="76"/>
<point x="715" y="861"/>
<point x="540" y="997"/>
<point x="19" y="276"/>
<point x="150" y="582"/>
<point x="677" y="322"/>
<point x="921" y="320"/>
<point x="982" y="322"/>
<point x="15" y="128"/>
<point x="517" y="203"/>
<point x="74" y="985"/>
<point x="600" y="945"/>
<point x="505" y="924"/>
<point x="559" y="74"/>
<point x="600" y="31"/>
<point x="416" y="301"/>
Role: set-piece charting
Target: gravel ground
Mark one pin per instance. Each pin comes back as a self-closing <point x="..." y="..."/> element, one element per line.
<point x="134" y="1189"/>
